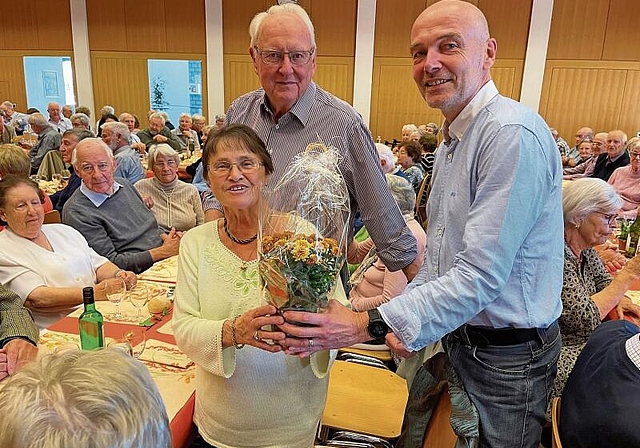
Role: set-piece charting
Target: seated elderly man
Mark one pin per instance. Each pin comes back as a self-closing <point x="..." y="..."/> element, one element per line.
<point x="186" y="136"/>
<point x="157" y="132"/>
<point x="67" y="111"/>
<point x="18" y="334"/>
<point x="80" y="121"/>
<point x="134" y="140"/>
<point x="626" y="180"/>
<point x="600" y="403"/>
<point x="18" y="120"/>
<point x="48" y="140"/>
<point x="111" y="215"/>
<point x="74" y="398"/>
<point x="56" y="119"/>
<point x="614" y="157"/>
<point x="70" y="139"/>
<point x="116" y="136"/>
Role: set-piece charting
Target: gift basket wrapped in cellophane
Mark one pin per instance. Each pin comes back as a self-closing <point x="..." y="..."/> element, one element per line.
<point x="303" y="232"/>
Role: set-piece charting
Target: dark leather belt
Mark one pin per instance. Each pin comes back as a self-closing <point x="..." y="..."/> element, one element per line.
<point x="482" y="337"/>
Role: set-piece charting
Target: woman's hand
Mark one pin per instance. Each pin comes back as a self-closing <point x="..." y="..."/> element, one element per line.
<point x="632" y="268"/>
<point x="626" y="309"/>
<point x="248" y="328"/>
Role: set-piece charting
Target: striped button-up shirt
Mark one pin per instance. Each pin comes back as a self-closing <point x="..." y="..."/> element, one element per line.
<point x="318" y="115"/>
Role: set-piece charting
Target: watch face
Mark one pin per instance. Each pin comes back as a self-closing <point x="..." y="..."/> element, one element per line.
<point x="377" y="329"/>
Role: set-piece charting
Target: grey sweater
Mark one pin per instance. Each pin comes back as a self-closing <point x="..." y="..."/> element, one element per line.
<point x="122" y="229"/>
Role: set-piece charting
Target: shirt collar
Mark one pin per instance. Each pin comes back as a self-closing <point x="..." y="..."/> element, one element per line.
<point x="98" y="198"/>
<point x="633" y="349"/>
<point x="301" y="108"/>
<point x="461" y="123"/>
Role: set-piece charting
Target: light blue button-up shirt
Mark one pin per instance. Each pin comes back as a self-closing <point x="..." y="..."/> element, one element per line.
<point x="494" y="253"/>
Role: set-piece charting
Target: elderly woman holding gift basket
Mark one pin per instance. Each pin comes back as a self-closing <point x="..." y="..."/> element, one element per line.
<point x="248" y="392"/>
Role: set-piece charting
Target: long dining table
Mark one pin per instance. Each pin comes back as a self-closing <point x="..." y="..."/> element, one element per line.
<point x="172" y="371"/>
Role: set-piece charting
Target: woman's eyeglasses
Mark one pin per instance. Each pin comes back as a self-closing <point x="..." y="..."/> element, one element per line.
<point x="223" y="167"/>
<point x="609" y="218"/>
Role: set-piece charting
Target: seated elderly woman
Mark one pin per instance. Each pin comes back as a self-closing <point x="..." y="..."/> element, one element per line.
<point x="372" y="283"/>
<point x="173" y="202"/>
<point x="409" y="154"/>
<point x="13" y="160"/>
<point x="407" y="129"/>
<point x="47" y="265"/>
<point x="245" y="396"/>
<point x="626" y="181"/>
<point x="101" y="399"/>
<point x="589" y="292"/>
<point x="187" y="136"/>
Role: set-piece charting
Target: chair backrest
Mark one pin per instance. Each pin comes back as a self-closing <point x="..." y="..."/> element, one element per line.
<point x="421" y="200"/>
<point x="439" y="433"/>
<point x="52" y="217"/>
<point x="555" y="423"/>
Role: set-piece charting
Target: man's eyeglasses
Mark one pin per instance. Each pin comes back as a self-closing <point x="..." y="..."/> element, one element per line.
<point x="609" y="218"/>
<point x="89" y="169"/>
<point x="276" y="57"/>
<point x="223" y="167"/>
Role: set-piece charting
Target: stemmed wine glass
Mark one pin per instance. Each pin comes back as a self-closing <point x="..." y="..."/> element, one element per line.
<point x="139" y="296"/>
<point x="115" y="291"/>
<point x="57" y="179"/>
<point x="137" y="339"/>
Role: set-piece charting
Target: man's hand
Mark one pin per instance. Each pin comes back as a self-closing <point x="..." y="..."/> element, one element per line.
<point x="169" y="248"/>
<point x="14" y="355"/>
<point x="397" y="347"/>
<point x="160" y="138"/>
<point x="336" y="327"/>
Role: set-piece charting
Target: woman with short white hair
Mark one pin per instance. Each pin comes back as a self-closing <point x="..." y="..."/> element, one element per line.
<point x="187" y="136"/>
<point x="175" y="204"/>
<point x="589" y="293"/>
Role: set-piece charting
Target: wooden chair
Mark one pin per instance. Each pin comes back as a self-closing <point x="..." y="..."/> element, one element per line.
<point x="439" y="433"/>
<point x="555" y="423"/>
<point x="52" y="217"/>
<point x="421" y="201"/>
<point x="356" y="390"/>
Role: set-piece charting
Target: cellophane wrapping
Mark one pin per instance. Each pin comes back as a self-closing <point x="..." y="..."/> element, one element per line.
<point x="303" y="232"/>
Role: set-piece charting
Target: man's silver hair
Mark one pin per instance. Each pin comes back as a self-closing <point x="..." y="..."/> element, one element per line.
<point x="88" y="141"/>
<point x="385" y="153"/>
<point x="198" y="117"/>
<point x="287" y="8"/>
<point x="585" y="196"/>
<point x="102" y="398"/>
<point x="38" y="119"/>
<point x="157" y="115"/>
<point x="106" y="110"/>
<point x="117" y="128"/>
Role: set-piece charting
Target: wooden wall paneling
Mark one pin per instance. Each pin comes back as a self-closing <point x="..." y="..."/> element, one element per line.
<point x="507" y="75"/>
<point x="335" y="75"/>
<point x="509" y="25"/>
<point x="145" y="25"/>
<point x="578" y="29"/>
<point x="20" y="30"/>
<point x="239" y="77"/>
<point x="185" y="26"/>
<point x="12" y="83"/>
<point x="107" y="25"/>
<point x="623" y="32"/>
<point x="236" y="17"/>
<point x="334" y="22"/>
<point x="393" y="26"/>
<point x="630" y="109"/>
<point x="594" y="98"/>
<point x="53" y="25"/>
<point x="395" y="99"/>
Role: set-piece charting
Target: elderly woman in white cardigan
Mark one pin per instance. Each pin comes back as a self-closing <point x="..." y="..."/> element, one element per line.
<point x="175" y="204"/>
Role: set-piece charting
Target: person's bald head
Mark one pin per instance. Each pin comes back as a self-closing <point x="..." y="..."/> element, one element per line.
<point x="599" y="143"/>
<point x="582" y="133"/>
<point x="452" y="54"/>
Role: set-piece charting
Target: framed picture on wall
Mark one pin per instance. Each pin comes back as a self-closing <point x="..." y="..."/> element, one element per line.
<point x="50" y="83"/>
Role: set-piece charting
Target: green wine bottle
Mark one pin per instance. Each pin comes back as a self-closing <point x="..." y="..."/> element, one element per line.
<point x="90" y="322"/>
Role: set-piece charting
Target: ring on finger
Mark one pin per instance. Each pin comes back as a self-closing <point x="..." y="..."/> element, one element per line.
<point x="256" y="337"/>
<point x="310" y="343"/>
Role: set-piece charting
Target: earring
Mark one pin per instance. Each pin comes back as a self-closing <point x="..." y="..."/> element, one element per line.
<point x="577" y="226"/>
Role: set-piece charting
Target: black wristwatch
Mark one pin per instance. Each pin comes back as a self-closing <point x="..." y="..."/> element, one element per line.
<point x="377" y="327"/>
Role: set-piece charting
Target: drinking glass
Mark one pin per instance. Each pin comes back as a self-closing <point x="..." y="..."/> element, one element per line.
<point x="115" y="291"/>
<point x="121" y="344"/>
<point x="57" y="179"/>
<point x="139" y="296"/>
<point x="66" y="174"/>
<point x="137" y="339"/>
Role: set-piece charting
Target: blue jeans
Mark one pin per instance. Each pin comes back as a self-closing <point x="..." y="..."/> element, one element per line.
<point x="509" y="385"/>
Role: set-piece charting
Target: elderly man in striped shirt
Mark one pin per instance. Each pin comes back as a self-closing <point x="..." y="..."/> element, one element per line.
<point x="291" y="111"/>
